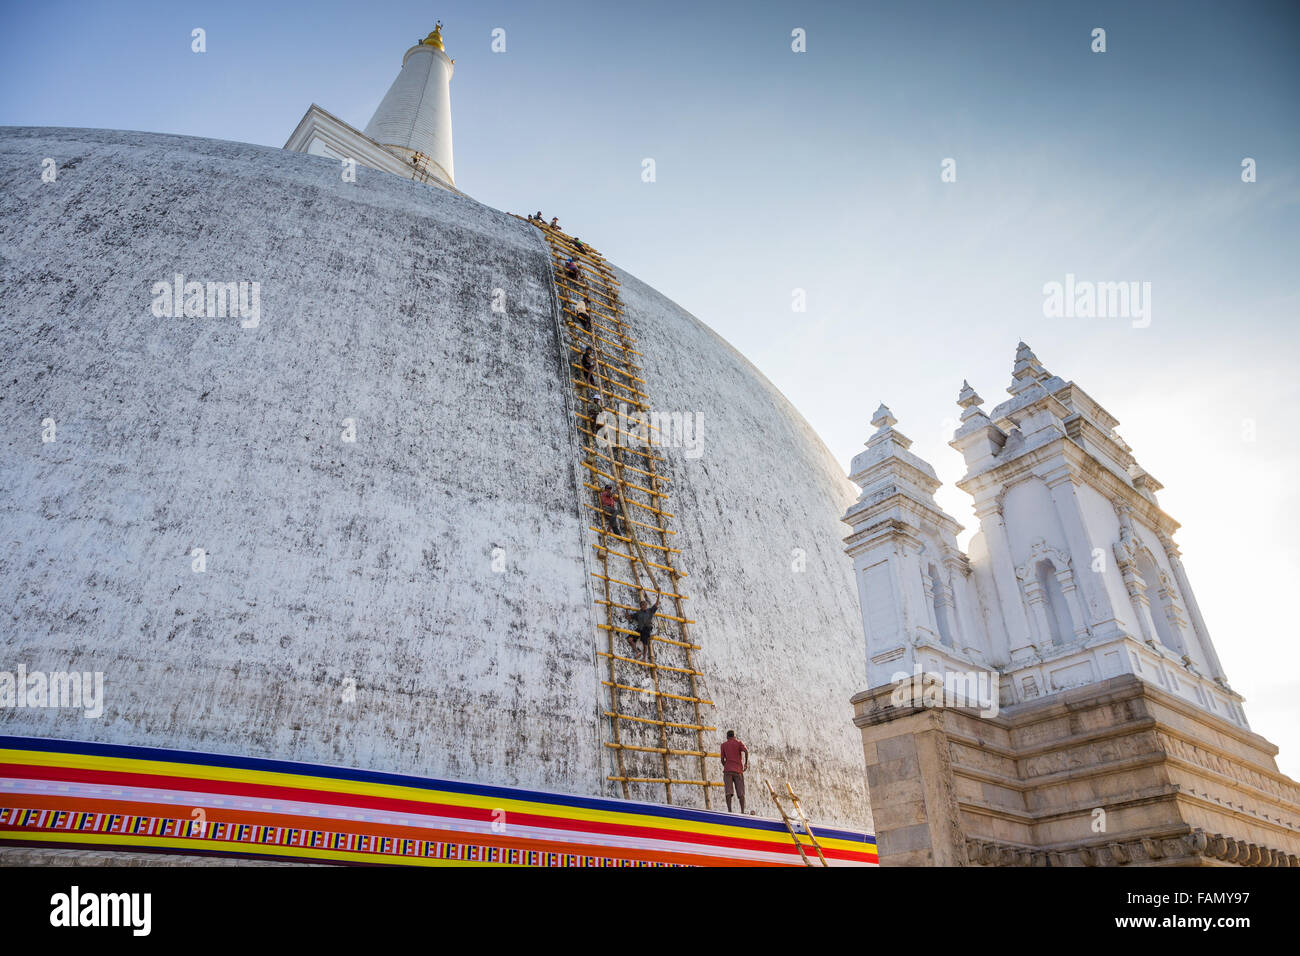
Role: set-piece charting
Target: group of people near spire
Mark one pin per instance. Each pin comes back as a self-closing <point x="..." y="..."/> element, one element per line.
<point x="537" y="218"/>
<point x="555" y="224"/>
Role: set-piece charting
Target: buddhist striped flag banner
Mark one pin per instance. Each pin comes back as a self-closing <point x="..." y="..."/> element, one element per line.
<point x="66" y="794"/>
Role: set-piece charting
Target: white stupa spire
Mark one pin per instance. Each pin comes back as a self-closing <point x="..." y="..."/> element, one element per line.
<point x="414" y="117"/>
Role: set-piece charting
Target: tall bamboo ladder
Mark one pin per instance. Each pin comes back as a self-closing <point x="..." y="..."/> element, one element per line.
<point x="804" y="826"/>
<point x="654" y="728"/>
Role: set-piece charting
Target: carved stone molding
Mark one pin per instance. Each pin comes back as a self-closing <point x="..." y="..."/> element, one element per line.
<point x="1235" y="770"/>
<point x="1137" y="852"/>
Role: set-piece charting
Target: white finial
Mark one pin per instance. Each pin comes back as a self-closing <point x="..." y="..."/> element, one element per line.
<point x="1026" y="371"/>
<point x="969" y="401"/>
<point x="968" y="397"/>
<point x="884" y="421"/>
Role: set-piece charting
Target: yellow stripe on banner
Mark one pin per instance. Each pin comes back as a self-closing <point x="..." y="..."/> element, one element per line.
<point x="40" y="758"/>
<point x="189" y="846"/>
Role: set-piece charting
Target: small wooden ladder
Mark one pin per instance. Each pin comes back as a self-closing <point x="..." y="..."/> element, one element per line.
<point x="797" y="826"/>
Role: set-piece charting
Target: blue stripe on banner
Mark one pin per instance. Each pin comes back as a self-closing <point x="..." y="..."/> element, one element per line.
<point x="403" y="780"/>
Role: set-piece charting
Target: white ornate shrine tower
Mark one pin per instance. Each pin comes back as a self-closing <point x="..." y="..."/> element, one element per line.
<point x="1052" y="697"/>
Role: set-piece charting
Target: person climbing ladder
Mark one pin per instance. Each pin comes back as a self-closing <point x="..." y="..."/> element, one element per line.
<point x="644" y="622"/>
<point x="609" y="505"/>
<point x="589" y="367"/>
<point x="583" y="311"/>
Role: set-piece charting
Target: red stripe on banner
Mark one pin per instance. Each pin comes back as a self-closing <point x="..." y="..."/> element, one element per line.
<point x="121" y="778"/>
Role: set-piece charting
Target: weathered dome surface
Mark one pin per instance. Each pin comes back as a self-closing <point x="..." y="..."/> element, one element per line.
<point x="372" y="562"/>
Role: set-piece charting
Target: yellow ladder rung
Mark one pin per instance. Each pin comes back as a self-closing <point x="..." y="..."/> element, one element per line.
<point x="613" y="345"/>
<point x="638" y="587"/>
<point x="595" y="310"/>
<point x="575" y="347"/>
<point x="626" y="467"/>
<point x="633" y="501"/>
<point x="582" y="252"/>
<point x="644" y="544"/>
<point x="655" y="637"/>
<point x="591" y="420"/>
<point x="662" y="750"/>
<point x="639" y="524"/>
<point x="586" y="274"/>
<point x="583" y="258"/>
<point x="648" y="456"/>
<point x="662" y="723"/>
<point x="661" y="667"/>
<point x="611" y="385"/>
<point x="666" y="617"/>
<point x="662" y="693"/>
<point x="623" y="481"/>
<point x="630" y="558"/>
<point x="579" y="282"/>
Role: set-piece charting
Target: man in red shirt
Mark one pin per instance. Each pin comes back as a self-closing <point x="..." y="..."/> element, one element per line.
<point x="733" y="770"/>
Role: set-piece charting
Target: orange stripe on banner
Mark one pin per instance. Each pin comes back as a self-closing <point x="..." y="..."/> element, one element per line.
<point x="296" y="822"/>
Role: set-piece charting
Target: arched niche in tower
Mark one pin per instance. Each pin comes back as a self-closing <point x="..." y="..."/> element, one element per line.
<point x="1160" y="598"/>
<point x="1060" y="626"/>
<point x="941" y="599"/>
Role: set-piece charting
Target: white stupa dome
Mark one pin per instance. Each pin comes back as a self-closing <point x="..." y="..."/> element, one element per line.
<point x="441" y="563"/>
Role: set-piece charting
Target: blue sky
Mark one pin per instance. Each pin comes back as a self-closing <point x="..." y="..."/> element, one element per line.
<point x="820" y="171"/>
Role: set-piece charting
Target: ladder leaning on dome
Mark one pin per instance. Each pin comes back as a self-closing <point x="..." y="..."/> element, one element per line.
<point x="582" y="275"/>
<point x="795" y="827"/>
